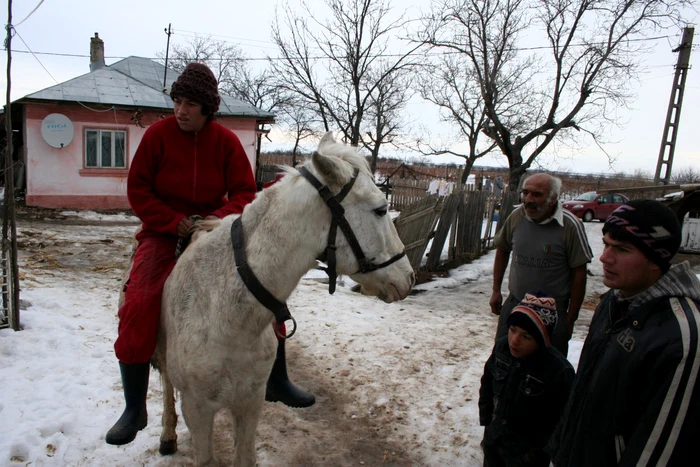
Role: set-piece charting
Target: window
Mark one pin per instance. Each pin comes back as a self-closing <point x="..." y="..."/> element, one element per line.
<point x="105" y="149"/>
<point x="618" y="199"/>
<point x="590" y="196"/>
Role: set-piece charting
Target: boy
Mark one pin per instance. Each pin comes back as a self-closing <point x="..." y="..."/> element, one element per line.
<point x="525" y="386"/>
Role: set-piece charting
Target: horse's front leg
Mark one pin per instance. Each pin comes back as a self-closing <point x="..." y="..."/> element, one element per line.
<point x="199" y="417"/>
<point x="168" y="438"/>
<point x="246" y="413"/>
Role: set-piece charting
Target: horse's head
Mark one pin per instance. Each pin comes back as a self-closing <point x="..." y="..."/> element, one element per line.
<point x="374" y="257"/>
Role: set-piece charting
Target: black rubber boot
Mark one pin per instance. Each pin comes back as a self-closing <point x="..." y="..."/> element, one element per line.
<point x="280" y="389"/>
<point x="134" y="418"/>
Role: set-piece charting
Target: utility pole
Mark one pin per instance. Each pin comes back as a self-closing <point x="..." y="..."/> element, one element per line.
<point x="168" y="32"/>
<point x="10" y="286"/>
<point x="673" y="115"/>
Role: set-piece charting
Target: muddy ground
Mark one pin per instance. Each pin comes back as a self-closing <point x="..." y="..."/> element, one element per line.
<point x="94" y="253"/>
<point x="346" y="426"/>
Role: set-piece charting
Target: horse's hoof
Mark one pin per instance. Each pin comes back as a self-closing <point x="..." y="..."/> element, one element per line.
<point x="168" y="448"/>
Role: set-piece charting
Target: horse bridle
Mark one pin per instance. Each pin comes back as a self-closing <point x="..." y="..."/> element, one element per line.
<point x="280" y="309"/>
<point x="338" y="220"/>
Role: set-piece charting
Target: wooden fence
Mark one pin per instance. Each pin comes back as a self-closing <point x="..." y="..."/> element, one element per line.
<point x="266" y="173"/>
<point x="464" y="219"/>
<point x="405" y="192"/>
<point x="415" y="225"/>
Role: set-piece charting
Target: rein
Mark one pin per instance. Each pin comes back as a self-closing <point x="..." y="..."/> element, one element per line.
<point x="280" y="309"/>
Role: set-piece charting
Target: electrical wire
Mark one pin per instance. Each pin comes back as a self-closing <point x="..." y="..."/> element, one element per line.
<point x="52" y="77"/>
<point x="253" y="59"/>
<point x="37" y="58"/>
<point x="30" y="13"/>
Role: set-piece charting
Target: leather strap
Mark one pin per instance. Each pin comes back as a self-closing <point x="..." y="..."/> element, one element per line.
<point x="279" y="309"/>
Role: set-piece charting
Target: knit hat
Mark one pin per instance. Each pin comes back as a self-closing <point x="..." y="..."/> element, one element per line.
<point x="198" y="83"/>
<point x="537" y="314"/>
<point x="650" y="226"/>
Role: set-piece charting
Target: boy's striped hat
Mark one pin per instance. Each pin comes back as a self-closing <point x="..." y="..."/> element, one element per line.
<point x="537" y="314"/>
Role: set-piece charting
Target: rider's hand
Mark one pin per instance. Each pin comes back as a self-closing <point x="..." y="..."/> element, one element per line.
<point x="211" y="217"/>
<point x="496" y="302"/>
<point x="184" y="227"/>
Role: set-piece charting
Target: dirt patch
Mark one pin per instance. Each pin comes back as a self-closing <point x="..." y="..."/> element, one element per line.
<point x="423" y="275"/>
<point x="357" y="435"/>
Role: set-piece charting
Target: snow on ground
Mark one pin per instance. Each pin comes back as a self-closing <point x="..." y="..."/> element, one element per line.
<point x="395" y="383"/>
<point x="94" y="216"/>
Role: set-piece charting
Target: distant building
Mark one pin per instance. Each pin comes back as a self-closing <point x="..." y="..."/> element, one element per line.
<point x="76" y="140"/>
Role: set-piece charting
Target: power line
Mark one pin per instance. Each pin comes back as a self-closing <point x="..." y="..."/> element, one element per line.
<point x="30" y="14"/>
<point x="37" y="58"/>
<point x="52" y="77"/>
<point x="254" y="59"/>
<point x="203" y="34"/>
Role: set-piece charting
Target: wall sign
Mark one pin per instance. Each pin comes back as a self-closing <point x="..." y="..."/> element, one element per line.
<point x="57" y="130"/>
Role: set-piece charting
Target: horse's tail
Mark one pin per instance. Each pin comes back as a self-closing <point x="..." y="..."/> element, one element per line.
<point x="127" y="270"/>
<point x="168" y="438"/>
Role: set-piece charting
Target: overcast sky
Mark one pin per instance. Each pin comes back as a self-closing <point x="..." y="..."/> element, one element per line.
<point x="131" y="27"/>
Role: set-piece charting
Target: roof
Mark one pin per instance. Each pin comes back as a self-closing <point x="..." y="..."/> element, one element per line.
<point x="134" y="82"/>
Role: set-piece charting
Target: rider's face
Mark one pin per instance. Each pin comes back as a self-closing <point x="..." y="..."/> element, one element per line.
<point x="189" y="114"/>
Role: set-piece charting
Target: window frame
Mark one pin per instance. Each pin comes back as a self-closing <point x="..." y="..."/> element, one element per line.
<point x="99" y="167"/>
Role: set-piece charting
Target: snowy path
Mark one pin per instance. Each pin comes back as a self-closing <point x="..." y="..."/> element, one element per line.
<point x="395" y="384"/>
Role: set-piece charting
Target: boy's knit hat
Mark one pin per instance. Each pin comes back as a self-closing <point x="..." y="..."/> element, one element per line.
<point x="650" y="226"/>
<point x="198" y="83"/>
<point x="537" y="314"/>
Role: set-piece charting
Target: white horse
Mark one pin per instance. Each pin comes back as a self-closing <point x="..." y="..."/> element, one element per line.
<point x="216" y="345"/>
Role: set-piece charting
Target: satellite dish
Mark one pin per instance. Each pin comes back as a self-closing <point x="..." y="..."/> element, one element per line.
<point x="57" y="130"/>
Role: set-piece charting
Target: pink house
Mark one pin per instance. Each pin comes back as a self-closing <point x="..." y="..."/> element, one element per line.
<point x="78" y="137"/>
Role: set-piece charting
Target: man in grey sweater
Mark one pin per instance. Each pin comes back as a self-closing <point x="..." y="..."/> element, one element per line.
<point x="550" y="252"/>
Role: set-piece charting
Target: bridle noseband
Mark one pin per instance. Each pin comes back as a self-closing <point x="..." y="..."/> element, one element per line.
<point x="280" y="309"/>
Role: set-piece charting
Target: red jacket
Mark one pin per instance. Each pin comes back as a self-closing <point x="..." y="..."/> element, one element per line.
<point x="175" y="174"/>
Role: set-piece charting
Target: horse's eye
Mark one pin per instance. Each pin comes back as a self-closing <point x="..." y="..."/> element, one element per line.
<point x="380" y="211"/>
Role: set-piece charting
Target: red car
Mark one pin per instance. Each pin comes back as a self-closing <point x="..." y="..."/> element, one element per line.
<point x="589" y="206"/>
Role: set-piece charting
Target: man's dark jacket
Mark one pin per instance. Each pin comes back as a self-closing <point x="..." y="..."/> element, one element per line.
<point x="636" y="400"/>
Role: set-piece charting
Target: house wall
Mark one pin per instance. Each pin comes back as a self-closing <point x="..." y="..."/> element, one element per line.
<point x="57" y="178"/>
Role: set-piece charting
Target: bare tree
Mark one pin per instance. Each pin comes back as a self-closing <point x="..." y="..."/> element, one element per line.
<point x="224" y="59"/>
<point x="686" y="175"/>
<point x="384" y="113"/>
<point x="342" y="69"/>
<point x="451" y="86"/>
<point x="575" y="83"/>
<point x="298" y="121"/>
<point x="232" y="70"/>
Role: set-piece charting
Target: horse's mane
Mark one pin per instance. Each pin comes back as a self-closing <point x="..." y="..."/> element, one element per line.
<point x="202" y="227"/>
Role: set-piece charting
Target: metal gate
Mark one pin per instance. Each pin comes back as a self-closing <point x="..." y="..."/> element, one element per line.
<point x="9" y="285"/>
<point x="8" y="317"/>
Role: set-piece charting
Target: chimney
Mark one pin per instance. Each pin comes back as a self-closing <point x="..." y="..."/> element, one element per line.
<point x="97" y="53"/>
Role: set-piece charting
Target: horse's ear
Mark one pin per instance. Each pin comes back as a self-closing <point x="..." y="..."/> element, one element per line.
<point x="327" y="139"/>
<point x="329" y="169"/>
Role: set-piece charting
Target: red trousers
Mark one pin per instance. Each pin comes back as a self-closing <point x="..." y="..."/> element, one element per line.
<point x="140" y="314"/>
